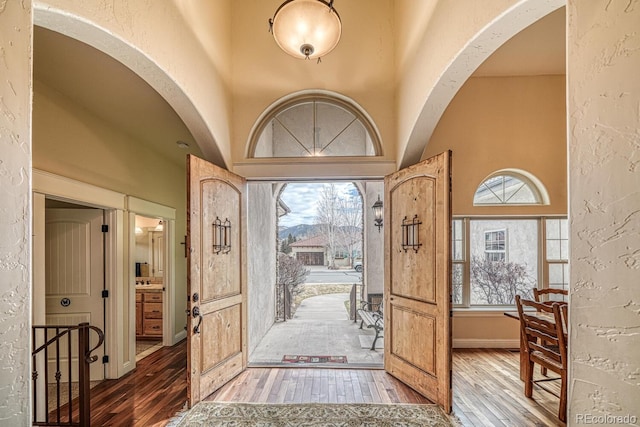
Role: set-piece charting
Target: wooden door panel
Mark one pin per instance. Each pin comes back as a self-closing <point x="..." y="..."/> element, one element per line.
<point x="220" y="202"/>
<point x="417" y="278"/>
<point x="415" y="196"/>
<point x="419" y="335"/>
<point x="216" y="333"/>
<point x="225" y="336"/>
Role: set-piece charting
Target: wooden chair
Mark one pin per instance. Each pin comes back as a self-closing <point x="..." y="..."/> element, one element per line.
<point x="543" y="296"/>
<point x="545" y="344"/>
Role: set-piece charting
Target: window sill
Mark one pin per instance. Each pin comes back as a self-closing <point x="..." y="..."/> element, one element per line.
<point x="482" y="312"/>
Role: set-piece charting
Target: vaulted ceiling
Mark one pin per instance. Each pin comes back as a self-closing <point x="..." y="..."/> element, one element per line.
<point x="114" y="93"/>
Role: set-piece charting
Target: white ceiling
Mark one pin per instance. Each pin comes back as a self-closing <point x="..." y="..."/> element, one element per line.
<point x="112" y="92"/>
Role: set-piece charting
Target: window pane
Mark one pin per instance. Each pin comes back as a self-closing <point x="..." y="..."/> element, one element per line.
<point x="559" y="276"/>
<point x="457" y="240"/>
<point x="315" y="128"/>
<point x="456" y="281"/>
<point x="553" y="250"/>
<point x="505" y="189"/>
<point x="498" y="275"/>
<point x="557" y="239"/>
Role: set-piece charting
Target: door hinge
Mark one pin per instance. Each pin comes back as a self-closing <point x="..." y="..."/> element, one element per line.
<point x="105" y="228"/>
<point x="105" y="359"/>
<point x="105" y="293"/>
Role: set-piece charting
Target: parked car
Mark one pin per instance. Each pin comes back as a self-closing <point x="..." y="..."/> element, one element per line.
<point x="358" y="267"/>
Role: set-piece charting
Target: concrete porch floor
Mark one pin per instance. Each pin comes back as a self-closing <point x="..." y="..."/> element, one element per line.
<point x="320" y="327"/>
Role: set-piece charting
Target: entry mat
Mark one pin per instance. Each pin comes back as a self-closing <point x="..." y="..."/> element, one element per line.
<point x="313" y="359"/>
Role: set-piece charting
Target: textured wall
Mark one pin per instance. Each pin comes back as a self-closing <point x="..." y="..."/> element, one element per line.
<point x="374" y="240"/>
<point x="604" y="187"/>
<point x="261" y="256"/>
<point x="15" y="218"/>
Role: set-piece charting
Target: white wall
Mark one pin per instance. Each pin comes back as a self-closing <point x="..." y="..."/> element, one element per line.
<point x="373" y="240"/>
<point x="15" y="220"/>
<point x="604" y="191"/>
<point x="261" y="257"/>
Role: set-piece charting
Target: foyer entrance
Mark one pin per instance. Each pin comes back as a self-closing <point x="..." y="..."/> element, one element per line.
<point x="416" y="259"/>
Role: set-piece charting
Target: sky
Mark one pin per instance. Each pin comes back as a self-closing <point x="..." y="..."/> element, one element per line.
<point x="301" y="198"/>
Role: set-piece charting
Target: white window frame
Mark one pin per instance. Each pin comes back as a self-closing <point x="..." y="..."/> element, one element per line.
<point x="543" y="263"/>
<point x="491" y="252"/>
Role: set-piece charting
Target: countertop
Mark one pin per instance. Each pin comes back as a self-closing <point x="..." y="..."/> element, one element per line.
<point x="150" y="287"/>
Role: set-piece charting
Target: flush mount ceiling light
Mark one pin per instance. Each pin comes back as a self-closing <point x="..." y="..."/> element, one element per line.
<point x="306" y="29"/>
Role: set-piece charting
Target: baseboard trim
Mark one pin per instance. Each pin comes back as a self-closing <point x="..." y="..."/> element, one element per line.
<point x="179" y="337"/>
<point x="485" y="343"/>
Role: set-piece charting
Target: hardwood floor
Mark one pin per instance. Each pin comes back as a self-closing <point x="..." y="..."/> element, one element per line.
<point x="487" y="390"/>
<point x="316" y="385"/>
<point x="152" y="394"/>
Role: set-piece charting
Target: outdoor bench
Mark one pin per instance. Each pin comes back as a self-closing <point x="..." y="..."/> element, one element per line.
<point x="373" y="319"/>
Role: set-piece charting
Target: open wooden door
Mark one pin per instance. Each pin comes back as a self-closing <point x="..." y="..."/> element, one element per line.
<point x="417" y="285"/>
<point x="216" y="279"/>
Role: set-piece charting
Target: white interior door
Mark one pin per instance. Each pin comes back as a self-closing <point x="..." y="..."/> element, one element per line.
<point x="74" y="275"/>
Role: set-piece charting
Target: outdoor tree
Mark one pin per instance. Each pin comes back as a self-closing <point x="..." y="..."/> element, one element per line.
<point x="350" y="224"/>
<point x="290" y="274"/>
<point x="328" y="218"/>
<point x="498" y="282"/>
<point x="285" y="245"/>
<point x="340" y="218"/>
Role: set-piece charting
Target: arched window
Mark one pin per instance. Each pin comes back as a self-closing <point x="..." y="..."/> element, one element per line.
<point x="509" y="187"/>
<point x="313" y="125"/>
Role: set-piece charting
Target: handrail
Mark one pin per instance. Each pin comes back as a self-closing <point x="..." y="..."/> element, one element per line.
<point x="62" y="342"/>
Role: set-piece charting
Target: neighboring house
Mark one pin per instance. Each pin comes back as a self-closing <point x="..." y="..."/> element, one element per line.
<point x="94" y="98"/>
<point x="315" y="251"/>
<point x="311" y="251"/>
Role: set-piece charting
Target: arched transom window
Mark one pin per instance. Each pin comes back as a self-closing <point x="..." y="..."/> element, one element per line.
<point x="315" y="125"/>
<point x="510" y="188"/>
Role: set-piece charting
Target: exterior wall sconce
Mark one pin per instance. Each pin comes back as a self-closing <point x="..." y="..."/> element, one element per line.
<point x="377" y="213"/>
<point x="306" y="29"/>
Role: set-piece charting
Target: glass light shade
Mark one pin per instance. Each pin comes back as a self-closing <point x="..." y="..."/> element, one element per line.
<point x="377" y="213"/>
<point x="306" y="29"/>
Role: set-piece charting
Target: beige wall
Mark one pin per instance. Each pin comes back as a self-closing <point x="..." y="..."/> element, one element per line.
<point x="495" y="123"/>
<point x="15" y="220"/>
<point x="182" y="49"/>
<point x="433" y="61"/>
<point x="604" y="148"/>
<point x="263" y="73"/>
<point x="71" y="142"/>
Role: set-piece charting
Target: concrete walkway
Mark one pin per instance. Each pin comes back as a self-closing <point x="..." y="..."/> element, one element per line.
<point x="320" y="327"/>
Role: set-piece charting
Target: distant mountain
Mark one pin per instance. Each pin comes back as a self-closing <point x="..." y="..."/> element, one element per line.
<point x="303" y="231"/>
<point x="300" y="231"/>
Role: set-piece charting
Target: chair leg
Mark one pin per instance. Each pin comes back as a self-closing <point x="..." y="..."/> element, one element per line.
<point x="528" y="380"/>
<point x="562" y="410"/>
<point x="373" y="345"/>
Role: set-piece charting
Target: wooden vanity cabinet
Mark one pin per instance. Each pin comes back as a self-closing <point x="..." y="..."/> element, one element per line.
<point x="148" y="314"/>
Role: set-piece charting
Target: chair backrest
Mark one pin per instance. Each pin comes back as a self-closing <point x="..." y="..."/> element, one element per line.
<point x="550" y="295"/>
<point x="542" y="329"/>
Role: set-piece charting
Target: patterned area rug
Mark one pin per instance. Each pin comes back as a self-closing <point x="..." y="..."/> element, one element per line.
<point x="312" y="415"/>
<point x="314" y="359"/>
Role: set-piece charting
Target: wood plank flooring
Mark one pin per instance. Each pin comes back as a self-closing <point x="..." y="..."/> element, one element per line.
<point x="487" y="390"/>
<point x="152" y="394"/>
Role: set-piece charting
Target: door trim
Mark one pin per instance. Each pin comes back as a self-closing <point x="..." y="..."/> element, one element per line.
<point x="168" y="215"/>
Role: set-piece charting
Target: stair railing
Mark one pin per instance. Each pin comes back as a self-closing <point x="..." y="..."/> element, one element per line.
<point x="75" y="412"/>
